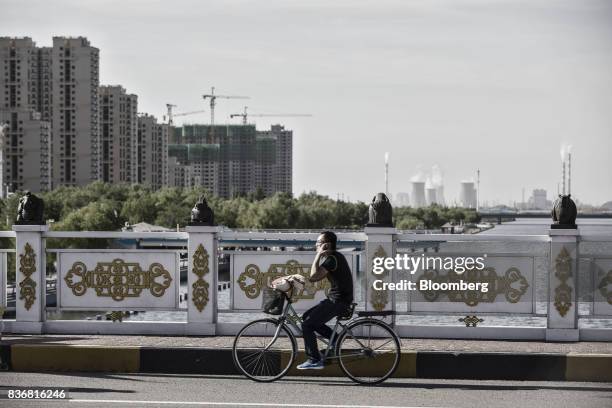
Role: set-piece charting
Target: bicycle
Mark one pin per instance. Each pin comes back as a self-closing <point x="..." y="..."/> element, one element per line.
<point x="367" y="349"/>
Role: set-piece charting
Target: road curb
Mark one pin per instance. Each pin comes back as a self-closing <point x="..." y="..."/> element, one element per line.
<point x="492" y="366"/>
<point x="413" y="364"/>
<point x="49" y="357"/>
<point x="588" y="367"/>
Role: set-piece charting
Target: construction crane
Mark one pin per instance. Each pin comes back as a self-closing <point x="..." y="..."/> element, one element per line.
<point x="213" y="99"/>
<point x="172" y="115"/>
<point x="245" y="115"/>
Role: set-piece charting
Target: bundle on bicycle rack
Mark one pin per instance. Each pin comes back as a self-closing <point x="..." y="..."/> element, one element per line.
<point x="273" y="298"/>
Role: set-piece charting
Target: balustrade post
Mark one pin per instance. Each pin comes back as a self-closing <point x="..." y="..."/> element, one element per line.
<point x="562" y="321"/>
<point x="30" y="278"/>
<point x="380" y="243"/>
<point x="202" y="280"/>
<point x="3" y="281"/>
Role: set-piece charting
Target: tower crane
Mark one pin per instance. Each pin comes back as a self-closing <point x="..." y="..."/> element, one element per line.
<point x="245" y="115"/>
<point x="171" y="115"/>
<point x="213" y="99"/>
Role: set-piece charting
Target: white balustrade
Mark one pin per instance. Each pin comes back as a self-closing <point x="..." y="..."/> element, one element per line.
<point x="522" y="270"/>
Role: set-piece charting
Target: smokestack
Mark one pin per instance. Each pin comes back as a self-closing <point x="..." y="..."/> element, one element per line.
<point x="566" y="157"/>
<point x="387" y="174"/>
<point x="569" y="173"/>
<point x="478" y="190"/>
<point x="563" y="178"/>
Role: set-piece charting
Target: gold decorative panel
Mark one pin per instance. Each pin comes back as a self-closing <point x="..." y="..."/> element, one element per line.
<point x="379" y="298"/>
<point x="604" y="285"/>
<point x="252" y="280"/>
<point x="512" y="285"/>
<point x="200" y="286"/>
<point x="27" y="266"/>
<point x="118" y="279"/>
<point x="471" y="320"/>
<point x="563" y="292"/>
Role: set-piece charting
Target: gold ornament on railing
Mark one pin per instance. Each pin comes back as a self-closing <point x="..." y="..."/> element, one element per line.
<point x="603" y="287"/>
<point x="563" y="292"/>
<point x="379" y="298"/>
<point x="118" y="279"/>
<point x="512" y="285"/>
<point x="200" y="286"/>
<point x="471" y="320"/>
<point x="116" y="315"/>
<point x="252" y="280"/>
<point x="27" y="266"/>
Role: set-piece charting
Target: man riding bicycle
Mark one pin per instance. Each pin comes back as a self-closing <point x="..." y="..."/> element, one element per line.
<point x="330" y="264"/>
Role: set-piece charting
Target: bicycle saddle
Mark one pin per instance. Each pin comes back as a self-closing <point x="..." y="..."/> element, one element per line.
<point x="349" y="313"/>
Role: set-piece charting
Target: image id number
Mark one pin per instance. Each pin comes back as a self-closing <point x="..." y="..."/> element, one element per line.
<point x="38" y="393"/>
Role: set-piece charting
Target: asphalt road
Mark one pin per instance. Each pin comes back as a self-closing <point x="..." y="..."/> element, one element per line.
<point x="167" y="390"/>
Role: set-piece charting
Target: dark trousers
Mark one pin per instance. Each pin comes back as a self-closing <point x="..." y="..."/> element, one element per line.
<point x="314" y="320"/>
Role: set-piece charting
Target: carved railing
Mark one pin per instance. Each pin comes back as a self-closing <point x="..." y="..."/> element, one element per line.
<point x="550" y="277"/>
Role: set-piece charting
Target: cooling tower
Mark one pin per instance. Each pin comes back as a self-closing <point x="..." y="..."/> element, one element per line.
<point x="418" y="194"/>
<point x="440" y="195"/>
<point x="468" y="194"/>
<point x="431" y="196"/>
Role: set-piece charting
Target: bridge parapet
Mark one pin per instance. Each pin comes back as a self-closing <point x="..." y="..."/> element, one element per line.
<point x="522" y="272"/>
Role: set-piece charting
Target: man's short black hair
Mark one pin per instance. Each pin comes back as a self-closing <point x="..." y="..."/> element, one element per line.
<point x="330" y="237"/>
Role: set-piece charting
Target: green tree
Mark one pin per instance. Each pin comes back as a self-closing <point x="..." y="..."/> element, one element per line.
<point x="139" y="206"/>
<point x="409" y="223"/>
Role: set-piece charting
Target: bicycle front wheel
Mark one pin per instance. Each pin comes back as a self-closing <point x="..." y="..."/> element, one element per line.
<point x="264" y="350"/>
<point x="368" y="351"/>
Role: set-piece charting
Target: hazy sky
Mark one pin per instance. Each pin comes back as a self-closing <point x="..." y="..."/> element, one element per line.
<point x="495" y="85"/>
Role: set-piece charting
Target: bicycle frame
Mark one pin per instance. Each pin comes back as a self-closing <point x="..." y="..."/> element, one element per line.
<point x="346" y="344"/>
<point x="290" y="318"/>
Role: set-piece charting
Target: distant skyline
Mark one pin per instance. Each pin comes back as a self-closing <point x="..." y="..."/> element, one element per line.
<point x="460" y="84"/>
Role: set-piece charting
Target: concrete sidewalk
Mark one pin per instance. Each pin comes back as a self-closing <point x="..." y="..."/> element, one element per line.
<point x="421" y="358"/>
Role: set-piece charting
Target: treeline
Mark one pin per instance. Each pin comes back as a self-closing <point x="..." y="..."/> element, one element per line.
<point x="107" y="207"/>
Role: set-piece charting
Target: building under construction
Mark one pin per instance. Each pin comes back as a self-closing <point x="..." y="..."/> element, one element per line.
<point x="231" y="160"/>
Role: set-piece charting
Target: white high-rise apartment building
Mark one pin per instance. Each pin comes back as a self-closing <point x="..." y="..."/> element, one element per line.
<point x="118" y="135"/>
<point x="24" y="135"/>
<point x="180" y="175"/>
<point x="280" y="177"/>
<point x="24" y="157"/>
<point x="152" y="152"/>
<point x="61" y="84"/>
<point x="74" y="118"/>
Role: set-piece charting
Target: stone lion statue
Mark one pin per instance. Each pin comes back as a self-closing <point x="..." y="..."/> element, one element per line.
<point x="30" y="210"/>
<point x="202" y="214"/>
<point x="564" y="212"/>
<point x="380" y="212"/>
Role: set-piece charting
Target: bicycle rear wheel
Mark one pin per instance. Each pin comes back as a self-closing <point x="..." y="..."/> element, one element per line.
<point x="368" y="351"/>
<point x="264" y="350"/>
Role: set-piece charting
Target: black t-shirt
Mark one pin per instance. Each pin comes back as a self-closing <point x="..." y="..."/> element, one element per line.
<point x="340" y="278"/>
